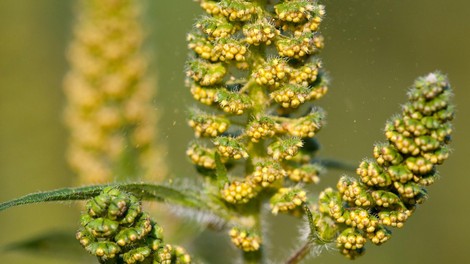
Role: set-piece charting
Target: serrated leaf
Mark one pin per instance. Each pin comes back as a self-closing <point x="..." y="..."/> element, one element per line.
<point x="143" y="191"/>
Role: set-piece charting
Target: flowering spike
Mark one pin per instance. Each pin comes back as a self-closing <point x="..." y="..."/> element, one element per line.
<point x="390" y="187"/>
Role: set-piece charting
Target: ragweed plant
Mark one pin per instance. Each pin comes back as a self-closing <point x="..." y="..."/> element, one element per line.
<point x="109" y="108"/>
<point x="255" y="71"/>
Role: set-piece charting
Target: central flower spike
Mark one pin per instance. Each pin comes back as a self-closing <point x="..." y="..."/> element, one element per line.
<point x="255" y="64"/>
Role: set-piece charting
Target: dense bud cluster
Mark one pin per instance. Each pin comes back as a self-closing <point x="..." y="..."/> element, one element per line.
<point x="255" y="63"/>
<point x="239" y="192"/>
<point x="246" y="240"/>
<point x="287" y="199"/>
<point x="393" y="184"/>
<point x="114" y="228"/>
<point x="109" y="110"/>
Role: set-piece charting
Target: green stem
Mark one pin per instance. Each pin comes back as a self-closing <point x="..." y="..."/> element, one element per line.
<point x="300" y="254"/>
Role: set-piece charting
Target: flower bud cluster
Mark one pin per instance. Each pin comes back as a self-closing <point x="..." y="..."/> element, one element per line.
<point x="255" y="63"/>
<point x="246" y="240"/>
<point x="109" y="108"/>
<point x="115" y="228"/>
<point x="393" y="184"/>
<point x="287" y="199"/>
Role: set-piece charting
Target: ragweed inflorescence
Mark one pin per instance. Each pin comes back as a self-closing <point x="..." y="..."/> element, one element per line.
<point x="392" y="185"/>
<point x="255" y="64"/>
<point x="115" y="229"/>
<point x="109" y="111"/>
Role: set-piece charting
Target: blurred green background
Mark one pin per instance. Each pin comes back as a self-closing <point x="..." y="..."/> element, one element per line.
<point x="374" y="51"/>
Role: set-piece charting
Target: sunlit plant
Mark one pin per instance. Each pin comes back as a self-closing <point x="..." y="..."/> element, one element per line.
<point x="255" y="71"/>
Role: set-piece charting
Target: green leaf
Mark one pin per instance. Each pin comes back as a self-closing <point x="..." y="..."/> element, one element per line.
<point x="154" y="192"/>
<point x="143" y="191"/>
<point x="220" y="170"/>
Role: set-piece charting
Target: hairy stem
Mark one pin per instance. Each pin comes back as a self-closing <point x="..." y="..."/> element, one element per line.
<point x="300" y="254"/>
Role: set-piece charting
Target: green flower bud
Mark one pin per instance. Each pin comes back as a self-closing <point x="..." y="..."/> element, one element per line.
<point x="136" y="255"/>
<point x="372" y="174"/>
<point x="427" y="143"/>
<point x="237" y="10"/>
<point x="307" y="126"/>
<point x="385" y="198"/>
<point x="206" y="125"/>
<point x="201" y="46"/>
<point x="215" y="27"/>
<point x="419" y="165"/>
<point x="102" y="227"/>
<point x="409" y="189"/>
<point x="405" y="145"/>
<point x="438" y="156"/>
<point x="379" y="236"/>
<point x="415" y="127"/>
<point x="233" y="102"/>
<point x="393" y="218"/>
<point x="327" y="199"/>
<point x="354" y="192"/>
<point x="426" y="180"/>
<point x="205" y="73"/>
<point x="386" y="154"/>
<point x="400" y="173"/>
<point x="261" y="128"/>
<point x="84" y="237"/>
<point x="428" y="107"/>
<point x="308" y="173"/>
<point x="230" y="147"/>
<point x="272" y="73"/>
<point x="260" y="32"/>
<point x="164" y="255"/>
<point x="428" y="87"/>
<point x="297" y="11"/>
<point x="287" y="199"/>
<point x="285" y="148"/>
<point x="140" y="230"/>
<point x="238" y="192"/>
<point x="211" y="7"/>
<point x="201" y="156"/>
<point x="351" y="243"/>
<point x="203" y="95"/>
<point x="306" y="74"/>
<point x="361" y="219"/>
<point x="267" y="173"/>
<point x="103" y="249"/>
<point x="291" y="96"/>
<point x="228" y="49"/>
<point x="298" y="47"/>
<point x="244" y="239"/>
